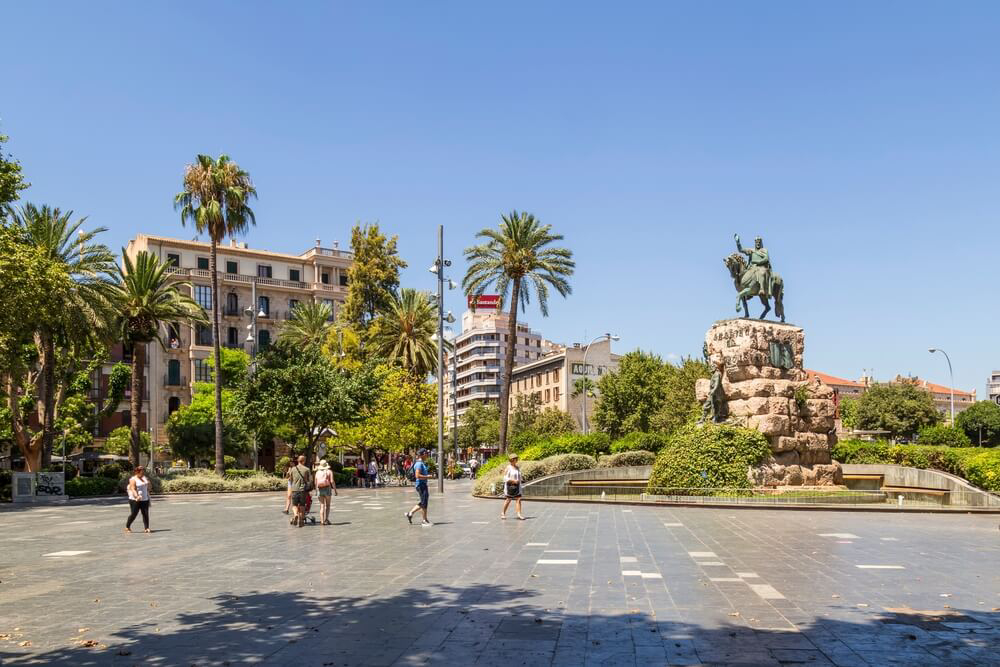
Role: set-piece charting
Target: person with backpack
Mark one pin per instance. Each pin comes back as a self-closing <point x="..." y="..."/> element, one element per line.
<point x="301" y="478"/>
<point x="420" y="474"/>
<point x="326" y="486"/>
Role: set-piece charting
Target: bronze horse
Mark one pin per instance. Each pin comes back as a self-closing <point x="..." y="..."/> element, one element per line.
<point x="749" y="286"/>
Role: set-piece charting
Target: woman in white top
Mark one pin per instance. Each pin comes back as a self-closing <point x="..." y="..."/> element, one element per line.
<point x="326" y="485"/>
<point x="138" y="498"/>
<point x="512" y="487"/>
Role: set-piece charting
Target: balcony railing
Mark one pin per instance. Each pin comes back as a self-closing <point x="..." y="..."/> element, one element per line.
<point x="174" y="381"/>
<point x="237" y="278"/>
<point x="328" y="252"/>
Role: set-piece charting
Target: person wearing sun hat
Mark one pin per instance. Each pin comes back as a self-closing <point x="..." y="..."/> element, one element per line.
<point x="512" y="487"/>
<point x="326" y="486"/>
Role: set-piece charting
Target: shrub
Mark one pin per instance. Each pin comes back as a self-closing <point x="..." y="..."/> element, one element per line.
<point x="454" y="471"/>
<point x="709" y="456"/>
<point x="203" y="482"/>
<point x="981" y="467"/>
<point x="229" y="462"/>
<point x="491" y="464"/>
<point x="649" y="442"/>
<point x="942" y="435"/>
<point x="282" y="465"/>
<point x="861" y="451"/>
<point x="240" y="473"/>
<point x="112" y="470"/>
<point x="71" y="470"/>
<point x="591" y="444"/>
<point x="6" y="478"/>
<point x="345" y="477"/>
<point x="91" y="486"/>
<point x="491" y="483"/>
<point x="628" y="458"/>
<point x="554" y="465"/>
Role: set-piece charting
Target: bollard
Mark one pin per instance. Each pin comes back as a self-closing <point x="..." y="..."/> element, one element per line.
<point x="899" y="498"/>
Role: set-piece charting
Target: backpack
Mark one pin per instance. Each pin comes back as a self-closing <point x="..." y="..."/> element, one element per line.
<point x="411" y="473"/>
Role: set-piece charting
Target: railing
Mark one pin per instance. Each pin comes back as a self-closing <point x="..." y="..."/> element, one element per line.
<point x="328" y="252"/>
<point x="329" y="287"/>
<point x="637" y="492"/>
<point x="236" y="278"/>
<point x="174" y="382"/>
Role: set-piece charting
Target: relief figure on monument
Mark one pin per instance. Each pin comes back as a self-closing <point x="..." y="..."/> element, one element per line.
<point x="714" y="409"/>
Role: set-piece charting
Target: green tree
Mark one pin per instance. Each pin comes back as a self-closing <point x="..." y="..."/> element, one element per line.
<point x="404" y="333"/>
<point x="479" y="425"/>
<point x="553" y="421"/>
<point x="581" y="385"/>
<point x="403" y="416"/>
<point x="235" y="365"/>
<point x="373" y="279"/>
<point x="679" y="403"/>
<point x="11" y="179"/>
<point x="943" y="435"/>
<point x="516" y="259"/>
<point x="309" y="326"/>
<point x="523" y="414"/>
<point x="147" y="301"/>
<point x="119" y="442"/>
<point x="848" y="407"/>
<point x="216" y="198"/>
<point x="191" y="429"/>
<point x="343" y="347"/>
<point x="78" y="310"/>
<point x="631" y="396"/>
<point x="901" y="409"/>
<point x="981" y="420"/>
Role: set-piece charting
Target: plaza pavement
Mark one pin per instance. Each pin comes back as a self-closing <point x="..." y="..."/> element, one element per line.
<point x="225" y="580"/>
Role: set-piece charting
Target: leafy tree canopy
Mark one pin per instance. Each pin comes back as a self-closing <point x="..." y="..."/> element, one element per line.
<point x="479" y="425"/>
<point x="119" y="441"/>
<point x="403" y="416"/>
<point x="901" y="409"/>
<point x="632" y="395"/>
<point x="191" y="429"/>
<point x="849" y="412"/>
<point x="679" y="403"/>
<point x="981" y="419"/>
<point x="943" y="435"/>
<point x="234" y="367"/>
<point x="373" y="279"/>
<point x="11" y="179"/>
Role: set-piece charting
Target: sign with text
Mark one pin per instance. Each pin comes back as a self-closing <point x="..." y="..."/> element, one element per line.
<point x="484" y="302"/>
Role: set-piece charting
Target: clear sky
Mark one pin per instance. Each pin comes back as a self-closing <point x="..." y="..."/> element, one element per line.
<point x="860" y="139"/>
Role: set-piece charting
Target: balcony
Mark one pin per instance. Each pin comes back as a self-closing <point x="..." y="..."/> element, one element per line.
<point x="175" y="381"/>
<point x="232" y="312"/>
<point x="176" y="344"/>
<point x="327" y="252"/>
<point x="235" y="278"/>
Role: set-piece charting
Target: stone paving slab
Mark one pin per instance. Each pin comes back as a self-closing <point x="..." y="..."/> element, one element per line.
<point x="224" y="580"/>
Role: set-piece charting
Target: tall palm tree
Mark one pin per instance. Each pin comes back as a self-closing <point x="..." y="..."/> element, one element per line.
<point x="85" y="309"/>
<point x="582" y="385"/>
<point x="406" y="332"/>
<point x="216" y="199"/>
<point x="309" y="326"/>
<point x="517" y="257"/>
<point x="147" y="300"/>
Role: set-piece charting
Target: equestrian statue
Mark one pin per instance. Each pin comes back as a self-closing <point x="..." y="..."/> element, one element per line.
<point x="753" y="277"/>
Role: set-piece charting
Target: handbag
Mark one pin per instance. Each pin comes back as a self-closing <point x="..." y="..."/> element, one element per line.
<point x="513" y="488"/>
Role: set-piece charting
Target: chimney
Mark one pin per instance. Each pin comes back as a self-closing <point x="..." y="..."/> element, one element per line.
<point x="232" y="243"/>
<point x="317" y="242"/>
<point x="336" y="245"/>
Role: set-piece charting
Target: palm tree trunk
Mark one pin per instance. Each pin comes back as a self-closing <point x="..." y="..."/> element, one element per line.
<point x="220" y="465"/>
<point x="135" y="405"/>
<point x="48" y="398"/>
<point x="508" y="367"/>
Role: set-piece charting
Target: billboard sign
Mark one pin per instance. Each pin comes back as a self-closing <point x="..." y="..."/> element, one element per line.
<point x="484" y="302"/>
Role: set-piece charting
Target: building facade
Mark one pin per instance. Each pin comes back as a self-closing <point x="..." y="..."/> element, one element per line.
<point x="551" y="379"/>
<point x="270" y="283"/>
<point x="993" y="387"/>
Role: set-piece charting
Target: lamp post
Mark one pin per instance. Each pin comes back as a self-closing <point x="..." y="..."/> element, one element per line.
<point x="583" y="412"/>
<point x="951" y="380"/>
<point x="438" y="270"/>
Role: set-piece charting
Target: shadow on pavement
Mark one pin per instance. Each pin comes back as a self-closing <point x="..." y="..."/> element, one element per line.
<point x="503" y="626"/>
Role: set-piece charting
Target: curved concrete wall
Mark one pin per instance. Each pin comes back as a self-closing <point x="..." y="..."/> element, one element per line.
<point x="557" y="484"/>
<point x="896" y="475"/>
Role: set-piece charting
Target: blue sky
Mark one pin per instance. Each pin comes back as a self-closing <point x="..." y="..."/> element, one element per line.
<point x="860" y="139"/>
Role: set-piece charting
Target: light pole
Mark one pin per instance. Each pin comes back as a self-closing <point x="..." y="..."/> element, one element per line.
<point x="951" y="379"/>
<point x="438" y="269"/>
<point x="583" y="412"/>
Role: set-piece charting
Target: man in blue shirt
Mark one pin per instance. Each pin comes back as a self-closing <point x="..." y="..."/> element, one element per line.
<point x="420" y="476"/>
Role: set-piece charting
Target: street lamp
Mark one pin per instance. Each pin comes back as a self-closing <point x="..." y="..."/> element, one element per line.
<point x="438" y="269"/>
<point x="951" y="379"/>
<point x="583" y="412"/>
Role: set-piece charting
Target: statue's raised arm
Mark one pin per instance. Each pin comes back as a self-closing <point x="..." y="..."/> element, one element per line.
<point x="739" y="246"/>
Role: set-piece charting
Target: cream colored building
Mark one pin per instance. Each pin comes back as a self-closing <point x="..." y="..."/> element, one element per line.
<point x="272" y="283"/>
<point x="551" y="378"/>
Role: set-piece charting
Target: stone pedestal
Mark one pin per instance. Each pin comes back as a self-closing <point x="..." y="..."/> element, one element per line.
<point x="767" y="389"/>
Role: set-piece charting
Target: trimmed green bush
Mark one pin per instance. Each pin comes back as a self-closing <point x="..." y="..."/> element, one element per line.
<point x="282" y="465"/>
<point x="708" y="456"/>
<point x="205" y="482"/>
<point x="112" y="470"/>
<point x="491" y="483"/>
<point x="345" y="477"/>
<point x="240" y="473"/>
<point x="591" y="444"/>
<point x="636" y="441"/>
<point x="946" y="436"/>
<point x="980" y="466"/>
<point x="566" y="463"/>
<point x="229" y="462"/>
<point x="627" y="458"/>
<point x="91" y="486"/>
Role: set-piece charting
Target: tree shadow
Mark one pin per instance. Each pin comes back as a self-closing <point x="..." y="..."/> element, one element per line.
<point x="502" y="625"/>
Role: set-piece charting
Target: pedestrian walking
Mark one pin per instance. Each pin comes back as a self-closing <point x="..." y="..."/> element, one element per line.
<point x="288" y="492"/>
<point x="473" y="467"/>
<point x="373" y="473"/>
<point x="420" y="476"/>
<point x="361" y="471"/>
<point x="326" y="486"/>
<point x="138" y="499"/>
<point x="301" y="478"/>
<point x="512" y="487"/>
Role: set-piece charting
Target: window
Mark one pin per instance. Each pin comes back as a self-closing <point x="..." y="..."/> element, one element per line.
<point x="202" y="371"/>
<point x="555" y="375"/>
<point x="232" y="304"/>
<point x="203" y="263"/>
<point x="264" y="336"/>
<point x="333" y="308"/>
<point x="173" y="259"/>
<point x="263" y="270"/>
<point x="232" y="337"/>
<point x="232" y="267"/>
<point x="173" y="373"/>
<point x="202" y="334"/>
<point x="203" y="295"/>
<point x="555" y="394"/>
<point x="264" y="305"/>
<point x="294" y="275"/>
<point x="324" y="278"/>
<point x="292" y="305"/>
<point x="343" y="279"/>
<point x="547" y="396"/>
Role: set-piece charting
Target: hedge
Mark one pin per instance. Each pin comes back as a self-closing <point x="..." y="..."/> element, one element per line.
<point x="639" y="441"/>
<point x="627" y="458"/>
<point x="91" y="486"/>
<point x="708" y="456"/>
<point x="210" y="482"/>
<point x="979" y="465"/>
<point x="491" y="483"/>
<point x="591" y="444"/>
<point x="942" y="435"/>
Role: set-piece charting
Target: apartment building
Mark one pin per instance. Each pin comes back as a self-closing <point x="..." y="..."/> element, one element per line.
<point x="993" y="387"/>
<point x="476" y="361"/>
<point x="550" y="379"/>
<point x="271" y="283"/>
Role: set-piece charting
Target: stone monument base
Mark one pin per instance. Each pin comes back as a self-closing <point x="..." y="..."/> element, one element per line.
<point x="766" y="388"/>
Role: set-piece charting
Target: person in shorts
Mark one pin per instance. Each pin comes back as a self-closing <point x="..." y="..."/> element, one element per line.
<point x="326" y="487"/>
<point x="301" y="478"/>
<point x="512" y="487"/>
<point x="420" y="476"/>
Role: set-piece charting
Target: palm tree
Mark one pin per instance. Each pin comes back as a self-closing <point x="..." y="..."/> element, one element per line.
<point x="216" y="199"/>
<point x="517" y="256"/>
<point x="584" y="385"/>
<point x="309" y="326"/>
<point x="147" y="299"/>
<point x="407" y="332"/>
<point x="84" y="308"/>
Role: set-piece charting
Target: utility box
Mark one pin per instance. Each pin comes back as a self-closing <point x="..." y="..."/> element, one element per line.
<point x="41" y="487"/>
